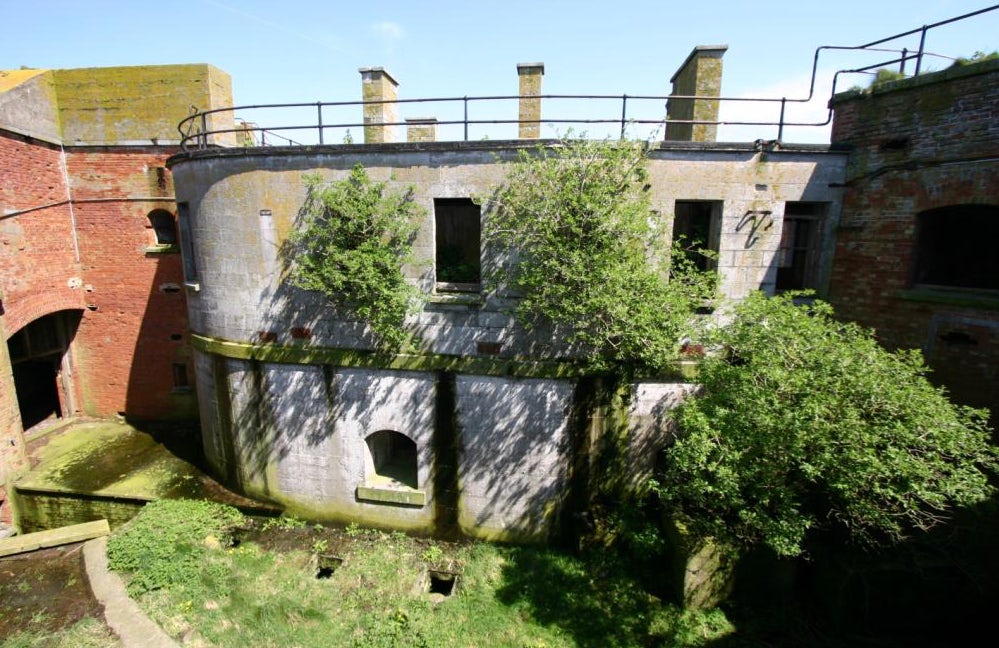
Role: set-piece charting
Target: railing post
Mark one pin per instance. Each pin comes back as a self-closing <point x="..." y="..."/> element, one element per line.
<point x="780" y="126"/>
<point x="204" y="131"/>
<point x="919" y="57"/>
<point x="901" y="67"/>
<point x="465" y="100"/>
<point x="319" y="109"/>
<point x="624" y="112"/>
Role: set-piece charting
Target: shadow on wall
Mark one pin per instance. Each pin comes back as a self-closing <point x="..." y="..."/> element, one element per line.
<point x="161" y="379"/>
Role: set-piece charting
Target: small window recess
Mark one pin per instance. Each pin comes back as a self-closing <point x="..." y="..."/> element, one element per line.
<point x="458" y="231"/>
<point x="181" y="382"/>
<point x="697" y="228"/>
<point x="164" y="228"/>
<point x="391" y="473"/>
<point x="800" y="246"/>
<point x="955" y="250"/>
<point x="187" y="247"/>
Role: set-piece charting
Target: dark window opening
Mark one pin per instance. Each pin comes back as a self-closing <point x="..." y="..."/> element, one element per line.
<point x="186" y="243"/>
<point x="393" y="459"/>
<point x="459" y="239"/>
<point x="180" y="380"/>
<point x="797" y="258"/>
<point x="955" y="247"/>
<point x="696" y="231"/>
<point x="164" y="227"/>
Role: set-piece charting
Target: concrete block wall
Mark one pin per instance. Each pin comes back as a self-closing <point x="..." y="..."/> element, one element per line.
<point x="919" y="144"/>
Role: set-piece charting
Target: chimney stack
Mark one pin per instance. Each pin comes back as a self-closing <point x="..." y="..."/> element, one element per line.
<point x="421" y="129"/>
<point x="700" y="75"/>
<point x="377" y="85"/>
<point x="530" y="105"/>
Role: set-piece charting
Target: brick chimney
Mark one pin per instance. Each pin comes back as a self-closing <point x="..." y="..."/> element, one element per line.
<point x="700" y="75"/>
<point x="530" y="75"/>
<point x="377" y="85"/>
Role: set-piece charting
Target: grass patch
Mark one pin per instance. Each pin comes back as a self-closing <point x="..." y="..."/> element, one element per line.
<point x="88" y="633"/>
<point x="264" y="591"/>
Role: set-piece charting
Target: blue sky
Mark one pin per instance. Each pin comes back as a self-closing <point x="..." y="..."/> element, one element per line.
<point x="305" y="51"/>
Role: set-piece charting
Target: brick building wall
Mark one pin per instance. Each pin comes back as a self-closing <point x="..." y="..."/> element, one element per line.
<point x="135" y="328"/>
<point x="928" y="143"/>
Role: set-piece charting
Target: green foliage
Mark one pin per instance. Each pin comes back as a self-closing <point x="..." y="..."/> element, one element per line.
<point x="575" y="221"/>
<point x="807" y="423"/>
<point x="284" y="522"/>
<point x="977" y="57"/>
<point x="354" y="237"/>
<point x="884" y="75"/>
<point x="166" y="542"/>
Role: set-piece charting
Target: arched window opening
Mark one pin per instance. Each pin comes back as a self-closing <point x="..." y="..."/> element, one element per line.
<point x="955" y="247"/>
<point x="164" y="227"/>
<point x="393" y="459"/>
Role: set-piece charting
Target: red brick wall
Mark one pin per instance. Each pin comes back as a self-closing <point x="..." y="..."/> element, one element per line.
<point x="135" y="328"/>
<point x="918" y="145"/>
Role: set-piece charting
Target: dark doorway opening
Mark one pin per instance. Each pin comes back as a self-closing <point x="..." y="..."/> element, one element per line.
<point x="37" y="390"/>
<point x="40" y="366"/>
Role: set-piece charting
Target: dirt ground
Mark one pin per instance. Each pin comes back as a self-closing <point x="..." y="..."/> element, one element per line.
<point x="45" y="591"/>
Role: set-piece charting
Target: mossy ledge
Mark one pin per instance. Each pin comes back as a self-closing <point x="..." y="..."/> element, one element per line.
<point x="515" y="367"/>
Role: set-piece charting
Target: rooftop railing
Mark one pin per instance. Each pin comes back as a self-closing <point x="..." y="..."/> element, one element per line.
<point x="217" y="127"/>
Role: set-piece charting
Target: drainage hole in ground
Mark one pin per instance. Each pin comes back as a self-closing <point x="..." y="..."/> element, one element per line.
<point x="442" y="582"/>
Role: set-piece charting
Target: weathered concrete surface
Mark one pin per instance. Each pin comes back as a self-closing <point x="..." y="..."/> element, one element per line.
<point x="104" y="469"/>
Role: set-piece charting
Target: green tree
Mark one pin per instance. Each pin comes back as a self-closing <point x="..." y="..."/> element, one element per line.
<point x="806" y="422"/>
<point x="354" y="237"/>
<point x="574" y="223"/>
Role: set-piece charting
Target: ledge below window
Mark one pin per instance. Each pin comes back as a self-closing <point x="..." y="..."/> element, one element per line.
<point x="461" y="298"/>
<point x="398" y="496"/>
<point x="968" y="299"/>
<point x="167" y="248"/>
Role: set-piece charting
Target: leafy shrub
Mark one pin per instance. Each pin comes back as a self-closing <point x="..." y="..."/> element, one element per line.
<point x="353" y="240"/>
<point x="574" y="222"/>
<point x="165" y="543"/>
<point x="806" y="423"/>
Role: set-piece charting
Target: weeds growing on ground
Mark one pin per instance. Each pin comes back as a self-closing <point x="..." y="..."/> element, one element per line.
<point x="380" y="597"/>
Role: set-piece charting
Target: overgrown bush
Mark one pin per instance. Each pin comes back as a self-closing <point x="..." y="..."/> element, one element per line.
<point x="165" y="544"/>
<point x="574" y="222"/>
<point x="354" y="238"/>
<point x="806" y="422"/>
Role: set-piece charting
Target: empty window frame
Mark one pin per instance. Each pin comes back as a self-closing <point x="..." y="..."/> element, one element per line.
<point x="458" y="230"/>
<point x="955" y="247"/>
<point x="800" y="239"/>
<point x="164" y="227"/>
<point x="696" y="227"/>
<point x="180" y="380"/>
<point x="392" y="459"/>
<point x="186" y="244"/>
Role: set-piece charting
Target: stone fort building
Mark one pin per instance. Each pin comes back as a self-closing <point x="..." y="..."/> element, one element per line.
<point x="145" y="279"/>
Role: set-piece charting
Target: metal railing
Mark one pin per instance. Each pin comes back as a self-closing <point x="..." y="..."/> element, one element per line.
<point x="198" y="131"/>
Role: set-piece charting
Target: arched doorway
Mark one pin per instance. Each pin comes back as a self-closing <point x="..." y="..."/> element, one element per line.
<point x="42" y="368"/>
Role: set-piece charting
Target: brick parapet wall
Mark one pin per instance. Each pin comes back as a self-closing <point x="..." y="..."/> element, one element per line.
<point x="918" y="144"/>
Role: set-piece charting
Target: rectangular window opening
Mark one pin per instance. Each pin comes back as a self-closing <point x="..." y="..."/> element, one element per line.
<point x="458" y="229"/>
<point x="696" y="228"/>
<point x="798" y="256"/>
<point x="180" y="380"/>
<point x="186" y="242"/>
